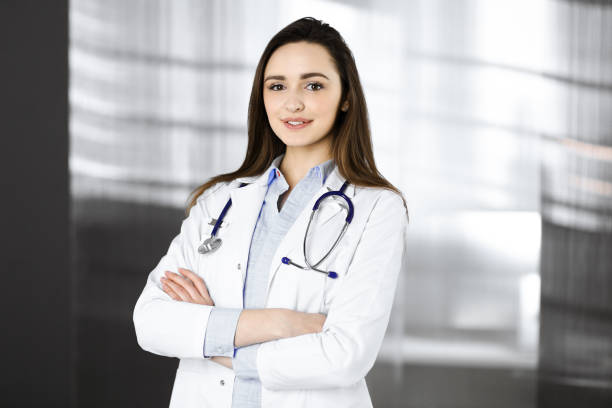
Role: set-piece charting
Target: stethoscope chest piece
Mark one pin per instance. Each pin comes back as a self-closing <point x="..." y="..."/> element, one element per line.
<point x="210" y="245"/>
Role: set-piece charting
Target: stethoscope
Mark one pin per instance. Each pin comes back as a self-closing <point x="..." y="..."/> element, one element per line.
<point x="213" y="243"/>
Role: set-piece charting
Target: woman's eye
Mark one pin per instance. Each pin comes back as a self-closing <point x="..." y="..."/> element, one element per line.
<point x="315" y="86"/>
<point x="312" y="86"/>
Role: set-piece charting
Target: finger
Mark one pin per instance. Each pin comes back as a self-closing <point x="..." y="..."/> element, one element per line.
<point x="179" y="290"/>
<point x="198" y="282"/>
<point x="184" y="283"/>
<point x="202" y="297"/>
<point x="170" y="292"/>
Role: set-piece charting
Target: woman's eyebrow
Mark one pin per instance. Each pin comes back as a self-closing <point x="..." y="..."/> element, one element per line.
<point x="303" y="76"/>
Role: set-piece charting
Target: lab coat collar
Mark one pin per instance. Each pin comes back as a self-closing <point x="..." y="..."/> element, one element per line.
<point x="334" y="182"/>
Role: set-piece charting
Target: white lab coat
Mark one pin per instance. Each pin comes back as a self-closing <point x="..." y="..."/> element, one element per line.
<point x="320" y="370"/>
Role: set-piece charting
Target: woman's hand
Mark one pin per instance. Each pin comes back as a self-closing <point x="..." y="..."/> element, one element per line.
<point x="298" y="323"/>
<point x="261" y="325"/>
<point x="186" y="287"/>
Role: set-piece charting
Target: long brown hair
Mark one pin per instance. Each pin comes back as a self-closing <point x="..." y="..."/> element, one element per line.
<point x="351" y="144"/>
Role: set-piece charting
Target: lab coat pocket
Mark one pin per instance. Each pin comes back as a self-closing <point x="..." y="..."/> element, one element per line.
<point x="209" y="387"/>
<point x="186" y="390"/>
<point x="338" y="265"/>
<point x="338" y="261"/>
<point x="296" y="289"/>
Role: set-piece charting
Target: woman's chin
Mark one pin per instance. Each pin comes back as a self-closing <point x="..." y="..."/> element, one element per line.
<point x="295" y="140"/>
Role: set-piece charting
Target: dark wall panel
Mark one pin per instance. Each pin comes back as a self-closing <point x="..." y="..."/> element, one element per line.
<point x="35" y="204"/>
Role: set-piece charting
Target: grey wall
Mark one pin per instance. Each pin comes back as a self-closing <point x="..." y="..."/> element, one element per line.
<point x="35" y="203"/>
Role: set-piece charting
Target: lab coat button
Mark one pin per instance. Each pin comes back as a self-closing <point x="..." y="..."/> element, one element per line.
<point x="238" y="266"/>
<point x="222" y="382"/>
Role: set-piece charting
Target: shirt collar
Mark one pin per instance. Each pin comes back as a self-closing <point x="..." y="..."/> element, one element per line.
<point x="320" y="171"/>
<point x="273" y="171"/>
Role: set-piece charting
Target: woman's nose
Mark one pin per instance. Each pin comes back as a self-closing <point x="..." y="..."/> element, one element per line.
<point x="293" y="104"/>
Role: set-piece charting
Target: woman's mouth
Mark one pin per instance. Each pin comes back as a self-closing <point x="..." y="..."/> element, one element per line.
<point x="296" y="124"/>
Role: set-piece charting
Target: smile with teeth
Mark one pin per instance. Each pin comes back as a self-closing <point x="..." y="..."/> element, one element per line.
<point x="297" y="124"/>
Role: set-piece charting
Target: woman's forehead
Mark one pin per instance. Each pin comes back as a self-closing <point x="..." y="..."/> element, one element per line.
<point x="295" y="59"/>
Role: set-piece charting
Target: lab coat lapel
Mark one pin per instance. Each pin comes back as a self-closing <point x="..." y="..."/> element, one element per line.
<point x="294" y="238"/>
<point x="246" y="203"/>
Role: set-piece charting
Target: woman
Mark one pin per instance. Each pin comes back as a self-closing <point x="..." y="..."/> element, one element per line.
<point x="251" y="328"/>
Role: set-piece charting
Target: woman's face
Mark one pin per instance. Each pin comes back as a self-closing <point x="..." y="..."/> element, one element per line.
<point x="301" y="92"/>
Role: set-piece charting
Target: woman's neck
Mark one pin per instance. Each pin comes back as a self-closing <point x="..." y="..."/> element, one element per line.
<point x="298" y="160"/>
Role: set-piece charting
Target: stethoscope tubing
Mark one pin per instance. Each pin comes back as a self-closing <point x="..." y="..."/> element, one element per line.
<point x="221" y="216"/>
<point x="347" y="221"/>
<point x="212" y="243"/>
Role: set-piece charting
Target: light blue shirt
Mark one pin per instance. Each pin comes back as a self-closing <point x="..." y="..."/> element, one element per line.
<point x="272" y="225"/>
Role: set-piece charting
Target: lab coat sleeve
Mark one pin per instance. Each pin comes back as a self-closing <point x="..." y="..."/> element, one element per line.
<point x="164" y="326"/>
<point x="352" y="335"/>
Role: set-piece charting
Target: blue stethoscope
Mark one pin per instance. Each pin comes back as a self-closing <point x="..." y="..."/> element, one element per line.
<point x="213" y="243"/>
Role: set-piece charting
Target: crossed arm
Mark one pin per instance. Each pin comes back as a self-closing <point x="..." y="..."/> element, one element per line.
<point x="171" y="314"/>
<point x="254" y="325"/>
<point x="294" y="351"/>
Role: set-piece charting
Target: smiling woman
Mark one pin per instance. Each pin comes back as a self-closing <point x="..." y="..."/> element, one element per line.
<point x="302" y="87"/>
<point x="315" y="95"/>
<point x="275" y="333"/>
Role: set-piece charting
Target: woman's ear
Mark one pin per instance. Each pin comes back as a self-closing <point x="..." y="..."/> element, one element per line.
<point x="345" y="106"/>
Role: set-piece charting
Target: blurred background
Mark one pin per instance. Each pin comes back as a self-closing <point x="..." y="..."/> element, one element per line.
<point x="493" y="117"/>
